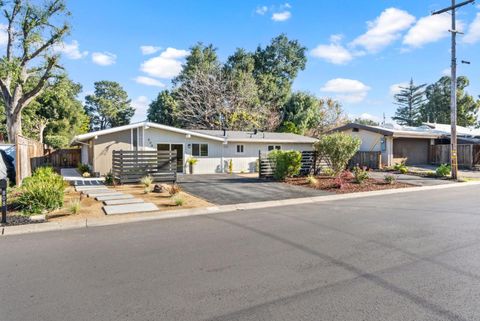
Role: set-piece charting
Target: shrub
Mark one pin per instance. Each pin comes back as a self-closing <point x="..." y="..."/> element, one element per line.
<point x="443" y="170"/>
<point x="43" y="191"/>
<point x="338" y="149"/>
<point x="86" y="174"/>
<point x="390" y="179"/>
<point x="287" y="163"/>
<point x="192" y="161"/>
<point x="109" y="178"/>
<point x="83" y="168"/>
<point x="401" y="167"/>
<point x="360" y="174"/>
<point x="230" y="166"/>
<point x="74" y="207"/>
<point x="341" y="179"/>
<point x="179" y="201"/>
<point x="312" y="180"/>
<point x="147" y="183"/>
<point x="327" y="171"/>
<point x="173" y="189"/>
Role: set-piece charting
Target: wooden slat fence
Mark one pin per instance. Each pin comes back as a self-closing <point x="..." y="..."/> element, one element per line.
<point x="371" y="160"/>
<point x="313" y="162"/>
<point x="467" y="155"/>
<point x="131" y="166"/>
<point x="28" y="154"/>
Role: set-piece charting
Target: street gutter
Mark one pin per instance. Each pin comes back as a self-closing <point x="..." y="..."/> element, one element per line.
<point x="160" y="215"/>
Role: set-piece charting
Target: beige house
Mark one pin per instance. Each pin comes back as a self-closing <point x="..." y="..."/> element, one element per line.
<point x="214" y="149"/>
<point x="396" y="144"/>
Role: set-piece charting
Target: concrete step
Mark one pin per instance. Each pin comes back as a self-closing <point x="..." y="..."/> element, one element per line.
<point x="89" y="188"/>
<point x="119" y="196"/>
<point x="123" y="201"/>
<point x="100" y="192"/>
<point x="129" y="208"/>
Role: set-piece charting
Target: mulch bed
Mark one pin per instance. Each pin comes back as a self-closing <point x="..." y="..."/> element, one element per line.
<point x="348" y="186"/>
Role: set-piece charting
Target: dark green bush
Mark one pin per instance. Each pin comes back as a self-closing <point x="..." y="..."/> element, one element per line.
<point x="287" y="163"/>
<point x="42" y="192"/>
<point x="83" y="168"/>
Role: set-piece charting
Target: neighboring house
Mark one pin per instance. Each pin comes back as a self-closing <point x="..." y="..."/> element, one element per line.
<point x="213" y="148"/>
<point x="412" y="144"/>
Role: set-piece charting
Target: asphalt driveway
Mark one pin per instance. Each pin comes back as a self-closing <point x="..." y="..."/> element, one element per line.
<point x="224" y="189"/>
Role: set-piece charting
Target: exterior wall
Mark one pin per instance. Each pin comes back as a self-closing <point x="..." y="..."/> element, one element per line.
<point x="103" y="147"/>
<point x="84" y="154"/>
<point x="372" y="142"/>
<point x="219" y="154"/>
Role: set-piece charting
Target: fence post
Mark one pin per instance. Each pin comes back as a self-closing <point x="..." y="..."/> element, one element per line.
<point x="259" y="164"/>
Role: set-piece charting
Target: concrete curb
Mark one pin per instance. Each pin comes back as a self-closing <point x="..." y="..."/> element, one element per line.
<point x="142" y="217"/>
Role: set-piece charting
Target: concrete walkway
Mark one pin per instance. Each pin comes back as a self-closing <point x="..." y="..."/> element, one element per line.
<point x="73" y="176"/>
<point x="461" y="172"/>
<point x="411" y="179"/>
<point x="95" y="188"/>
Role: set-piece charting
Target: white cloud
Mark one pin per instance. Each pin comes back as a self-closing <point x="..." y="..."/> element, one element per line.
<point x="141" y="106"/>
<point x="149" y="50"/>
<point x="384" y="30"/>
<point x="3" y="35"/>
<point x="104" y="58"/>
<point x="71" y="50"/>
<point x="281" y="16"/>
<point x="261" y="10"/>
<point x="149" y="81"/>
<point x="473" y="33"/>
<point x="447" y="72"/>
<point x="167" y="65"/>
<point x="334" y="53"/>
<point x="396" y="88"/>
<point x="346" y="90"/>
<point x="429" y="29"/>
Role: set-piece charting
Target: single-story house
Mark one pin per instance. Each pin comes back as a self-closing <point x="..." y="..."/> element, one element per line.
<point x="214" y="149"/>
<point x="412" y="144"/>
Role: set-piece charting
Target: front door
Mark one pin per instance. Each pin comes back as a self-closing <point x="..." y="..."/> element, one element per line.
<point x="179" y="149"/>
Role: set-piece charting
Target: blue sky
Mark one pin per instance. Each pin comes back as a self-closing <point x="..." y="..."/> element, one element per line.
<point x="358" y="51"/>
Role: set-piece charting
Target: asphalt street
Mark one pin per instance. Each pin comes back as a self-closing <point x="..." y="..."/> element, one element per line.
<point x="411" y="256"/>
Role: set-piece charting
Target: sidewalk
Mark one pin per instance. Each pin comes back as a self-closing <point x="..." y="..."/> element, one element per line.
<point x="73" y="177"/>
<point x="412" y="179"/>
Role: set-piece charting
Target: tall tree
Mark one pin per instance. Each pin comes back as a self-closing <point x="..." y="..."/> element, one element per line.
<point x="29" y="62"/>
<point x="109" y="106"/>
<point x="276" y="66"/>
<point x="201" y="58"/>
<point x="409" y="100"/>
<point x="437" y="108"/>
<point x="329" y="115"/>
<point x="300" y="113"/>
<point x="163" y="109"/>
<point x="57" y="114"/>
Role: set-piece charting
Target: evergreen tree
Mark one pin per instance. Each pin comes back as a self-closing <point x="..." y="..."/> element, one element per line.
<point x="409" y="100"/>
<point x="162" y="110"/>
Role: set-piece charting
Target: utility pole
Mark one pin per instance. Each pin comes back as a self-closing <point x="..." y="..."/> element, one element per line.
<point x="453" y="97"/>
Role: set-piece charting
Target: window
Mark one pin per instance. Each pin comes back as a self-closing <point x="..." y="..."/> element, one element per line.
<point x="135" y="138"/>
<point x="199" y="149"/>
<point x="240" y="149"/>
<point x="272" y="147"/>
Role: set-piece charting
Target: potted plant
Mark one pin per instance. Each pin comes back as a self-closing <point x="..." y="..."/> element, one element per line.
<point x="191" y="161"/>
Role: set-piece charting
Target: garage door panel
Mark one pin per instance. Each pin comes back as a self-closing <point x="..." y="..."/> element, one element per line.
<point x="415" y="150"/>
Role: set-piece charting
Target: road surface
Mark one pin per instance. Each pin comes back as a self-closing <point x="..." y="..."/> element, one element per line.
<point x="412" y="256"/>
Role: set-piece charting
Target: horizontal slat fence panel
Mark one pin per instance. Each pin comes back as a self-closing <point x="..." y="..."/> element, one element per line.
<point x="131" y="166"/>
<point x="311" y="164"/>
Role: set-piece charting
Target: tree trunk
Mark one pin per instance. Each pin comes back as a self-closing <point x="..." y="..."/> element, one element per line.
<point x="14" y="127"/>
<point x="41" y="129"/>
